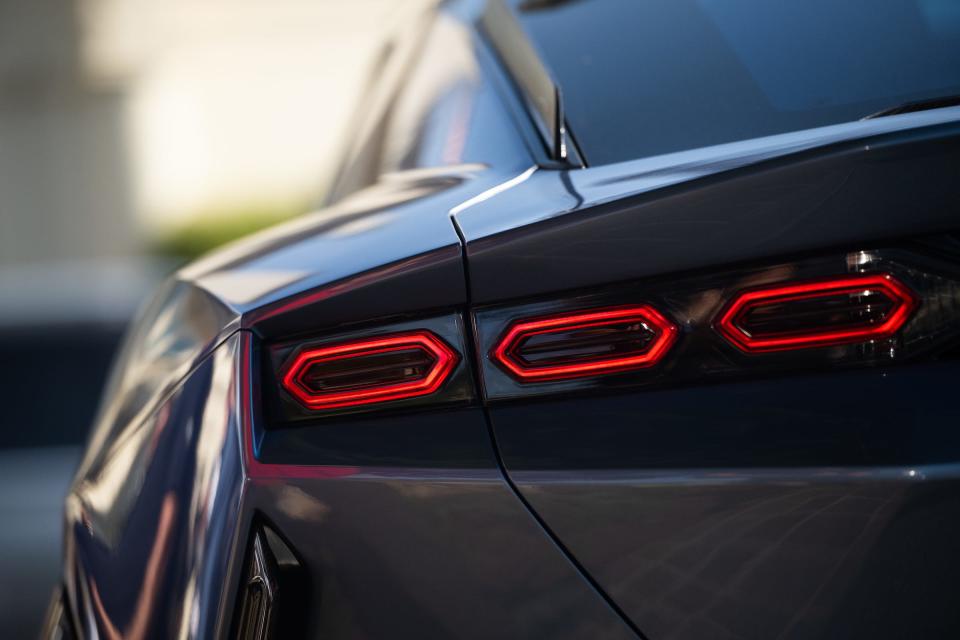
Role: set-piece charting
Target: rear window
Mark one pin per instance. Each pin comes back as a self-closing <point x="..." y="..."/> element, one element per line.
<point x="646" y="77"/>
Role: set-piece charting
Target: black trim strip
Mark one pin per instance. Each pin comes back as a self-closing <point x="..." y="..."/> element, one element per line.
<point x="540" y="92"/>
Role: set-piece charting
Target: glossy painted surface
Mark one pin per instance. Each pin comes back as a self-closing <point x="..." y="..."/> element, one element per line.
<point x="785" y="506"/>
<point x="793" y="506"/>
<point x="151" y="524"/>
<point x="864" y="182"/>
<point x="801" y="552"/>
<point x="406" y="552"/>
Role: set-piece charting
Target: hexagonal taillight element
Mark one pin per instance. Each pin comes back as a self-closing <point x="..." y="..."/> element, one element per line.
<point x="370" y="370"/>
<point x="817" y="313"/>
<point x="585" y="343"/>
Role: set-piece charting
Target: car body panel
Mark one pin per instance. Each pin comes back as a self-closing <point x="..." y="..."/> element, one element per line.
<point x="152" y="523"/>
<point x="760" y="199"/>
<point x="694" y="508"/>
<point x="801" y="552"/>
<point x="799" y="506"/>
<point x="767" y="507"/>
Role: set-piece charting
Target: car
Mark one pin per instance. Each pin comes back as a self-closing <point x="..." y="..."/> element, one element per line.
<point x="623" y="320"/>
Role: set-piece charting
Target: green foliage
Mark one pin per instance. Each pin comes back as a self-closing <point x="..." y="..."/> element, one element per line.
<point x="206" y="232"/>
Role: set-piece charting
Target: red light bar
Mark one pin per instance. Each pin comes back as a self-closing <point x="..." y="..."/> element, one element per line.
<point x="591" y="343"/>
<point x="370" y="370"/>
<point x="869" y="307"/>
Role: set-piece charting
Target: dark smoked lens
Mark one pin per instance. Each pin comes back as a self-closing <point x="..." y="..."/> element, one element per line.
<point x="840" y="311"/>
<point x="368" y="370"/>
<point x="814" y="314"/>
<point x="817" y="313"/>
<point x="585" y="343"/>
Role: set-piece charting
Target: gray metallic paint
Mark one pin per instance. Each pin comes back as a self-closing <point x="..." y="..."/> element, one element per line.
<point x="758" y="199"/>
<point x="704" y="550"/>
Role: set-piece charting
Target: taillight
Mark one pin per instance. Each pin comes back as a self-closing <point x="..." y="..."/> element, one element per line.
<point x="335" y="398"/>
<point x="819" y="313"/>
<point x="588" y="343"/>
<point x="370" y="370"/>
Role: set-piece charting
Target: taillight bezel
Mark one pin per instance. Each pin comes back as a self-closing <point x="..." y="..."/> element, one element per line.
<point x="505" y="353"/>
<point x="283" y="410"/>
<point x="703" y="355"/>
<point x="445" y="359"/>
<point x="728" y="322"/>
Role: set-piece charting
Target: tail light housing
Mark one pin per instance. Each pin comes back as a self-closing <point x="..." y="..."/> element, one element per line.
<point x="812" y="314"/>
<point x="818" y="313"/>
<point x="338" y="399"/>
<point x="585" y="343"/>
<point x="369" y="370"/>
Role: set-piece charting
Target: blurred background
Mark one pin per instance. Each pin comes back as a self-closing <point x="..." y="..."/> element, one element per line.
<point x="134" y="136"/>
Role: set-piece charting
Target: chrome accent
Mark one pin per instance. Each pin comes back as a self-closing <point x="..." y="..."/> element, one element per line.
<point x="259" y="592"/>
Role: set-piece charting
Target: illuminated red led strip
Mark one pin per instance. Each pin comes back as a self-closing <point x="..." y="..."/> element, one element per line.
<point x="443" y="365"/>
<point x="903" y="299"/>
<point x="665" y="334"/>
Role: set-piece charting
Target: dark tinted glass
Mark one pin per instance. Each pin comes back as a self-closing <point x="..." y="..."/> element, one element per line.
<point x="644" y="77"/>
